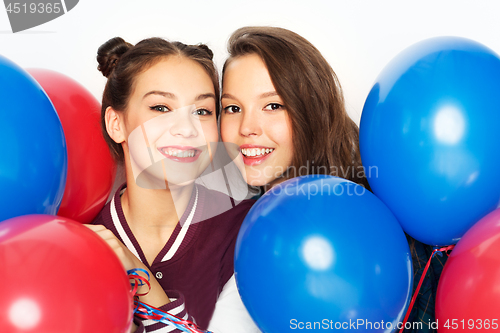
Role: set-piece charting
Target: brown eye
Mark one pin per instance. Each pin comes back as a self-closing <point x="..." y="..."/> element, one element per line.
<point x="273" y="107"/>
<point x="232" y="109"/>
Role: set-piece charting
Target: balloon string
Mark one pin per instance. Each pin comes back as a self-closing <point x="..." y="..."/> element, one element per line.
<point x="146" y="311"/>
<point x="138" y="280"/>
<point x="445" y="249"/>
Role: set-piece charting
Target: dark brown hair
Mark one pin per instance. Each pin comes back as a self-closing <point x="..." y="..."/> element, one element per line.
<point x="325" y="139"/>
<point x="122" y="62"/>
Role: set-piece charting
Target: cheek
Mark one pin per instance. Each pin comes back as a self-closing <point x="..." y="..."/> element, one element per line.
<point x="287" y="134"/>
<point x="210" y="132"/>
<point x="156" y="134"/>
<point x="281" y="133"/>
<point x="283" y="137"/>
<point x="227" y="129"/>
<point x="157" y="129"/>
<point x="288" y="144"/>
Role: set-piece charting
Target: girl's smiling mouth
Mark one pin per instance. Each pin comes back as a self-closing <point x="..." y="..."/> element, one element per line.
<point x="254" y="154"/>
<point x="184" y="154"/>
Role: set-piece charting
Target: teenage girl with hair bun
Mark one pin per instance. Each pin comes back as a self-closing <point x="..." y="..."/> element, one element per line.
<point x="159" y="115"/>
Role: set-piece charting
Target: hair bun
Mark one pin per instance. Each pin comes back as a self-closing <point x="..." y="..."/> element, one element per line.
<point x="207" y="50"/>
<point x="109" y="53"/>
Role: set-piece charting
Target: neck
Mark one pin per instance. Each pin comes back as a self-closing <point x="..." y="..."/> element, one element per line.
<point x="154" y="208"/>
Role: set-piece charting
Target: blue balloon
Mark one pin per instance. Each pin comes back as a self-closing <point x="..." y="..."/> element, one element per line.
<point x="429" y="137"/>
<point x="324" y="250"/>
<point x="34" y="160"/>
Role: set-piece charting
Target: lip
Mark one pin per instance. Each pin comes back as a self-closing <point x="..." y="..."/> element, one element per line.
<point x="163" y="150"/>
<point x="255" y="160"/>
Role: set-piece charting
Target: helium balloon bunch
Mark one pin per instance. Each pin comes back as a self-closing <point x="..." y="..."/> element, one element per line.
<point x="429" y="128"/>
<point x="55" y="158"/>
<point x="57" y="275"/>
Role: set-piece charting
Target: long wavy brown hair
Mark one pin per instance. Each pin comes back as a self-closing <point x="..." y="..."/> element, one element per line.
<point x="325" y="139"/>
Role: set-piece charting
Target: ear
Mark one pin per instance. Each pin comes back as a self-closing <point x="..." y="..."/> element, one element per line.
<point x="114" y="124"/>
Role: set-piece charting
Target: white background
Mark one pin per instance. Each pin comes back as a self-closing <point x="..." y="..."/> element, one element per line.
<point x="357" y="37"/>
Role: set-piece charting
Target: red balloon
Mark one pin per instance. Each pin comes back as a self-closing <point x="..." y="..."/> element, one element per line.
<point x="468" y="296"/>
<point x="59" y="276"/>
<point x="91" y="169"/>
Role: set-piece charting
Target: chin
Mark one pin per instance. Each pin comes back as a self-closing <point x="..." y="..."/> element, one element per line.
<point x="257" y="181"/>
<point x="178" y="185"/>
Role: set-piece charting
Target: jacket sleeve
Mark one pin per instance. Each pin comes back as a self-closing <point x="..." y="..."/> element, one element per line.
<point x="176" y="307"/>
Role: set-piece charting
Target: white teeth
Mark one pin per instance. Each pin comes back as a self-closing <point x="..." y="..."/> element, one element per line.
<point x="180" y="153"/>
<point x="250" y="152"/>
<point x="187" y="153"/>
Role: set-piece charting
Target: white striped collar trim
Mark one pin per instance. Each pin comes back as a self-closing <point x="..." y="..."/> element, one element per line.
<point x="121" y="231"/>
<point x="177" y="243"/>
<point x="182" y="233"/>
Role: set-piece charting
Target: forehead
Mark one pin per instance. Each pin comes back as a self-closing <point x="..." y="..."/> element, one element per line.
<point x="174" y="74"/>
<point x="247" y="73"/>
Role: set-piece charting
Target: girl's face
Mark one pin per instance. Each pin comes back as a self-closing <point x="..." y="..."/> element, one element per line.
<point x="169" y="123"/>
<point x="254" y="118"/>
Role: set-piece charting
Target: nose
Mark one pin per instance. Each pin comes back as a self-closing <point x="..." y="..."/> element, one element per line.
<point x="250" y="124"/>
<point x="184" y="125"/>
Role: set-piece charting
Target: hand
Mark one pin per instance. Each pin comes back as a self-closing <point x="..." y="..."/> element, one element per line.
<point x="127" y="258"/>
<point x="155" y="296"/>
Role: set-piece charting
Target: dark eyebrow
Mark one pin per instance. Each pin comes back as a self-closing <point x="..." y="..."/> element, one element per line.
<point x="162" y="93"/>
<point x="204" y="96"/>
<point x="268" y="94"/>
<point x="227" y="96"/>
<point x="264" y="95"/>
<point x="172" y="96"/>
